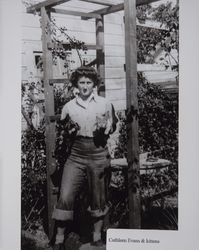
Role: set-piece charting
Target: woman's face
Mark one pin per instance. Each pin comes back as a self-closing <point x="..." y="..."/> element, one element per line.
<point x="85" y="86"/>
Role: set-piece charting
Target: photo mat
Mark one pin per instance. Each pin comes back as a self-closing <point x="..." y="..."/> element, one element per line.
<point x="157" y="103"/>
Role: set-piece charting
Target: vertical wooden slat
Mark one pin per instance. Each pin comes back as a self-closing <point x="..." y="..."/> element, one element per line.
<point x="132" y="112"/>
<point x="49" y="111"/>
<point x="100" y="53"/>
<point x="100" y="60"/>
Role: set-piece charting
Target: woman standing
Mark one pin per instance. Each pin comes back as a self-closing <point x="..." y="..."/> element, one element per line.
<point x="89" y="157"/>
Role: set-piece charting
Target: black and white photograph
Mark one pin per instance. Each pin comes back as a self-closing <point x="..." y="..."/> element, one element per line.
<point x="61" y="54"/>
<point x="100" y="120"/>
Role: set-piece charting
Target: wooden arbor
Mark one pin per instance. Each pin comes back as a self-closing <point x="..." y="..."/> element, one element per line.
<point x="129" y="7"/>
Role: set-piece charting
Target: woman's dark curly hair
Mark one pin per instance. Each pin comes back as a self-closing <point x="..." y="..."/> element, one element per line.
<point x="86" y="71"/>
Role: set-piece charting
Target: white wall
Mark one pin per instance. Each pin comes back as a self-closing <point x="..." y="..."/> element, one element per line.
<point x="84" y="31"/>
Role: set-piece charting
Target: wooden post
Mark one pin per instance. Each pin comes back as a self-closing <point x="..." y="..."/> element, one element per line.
<point x="49" y="111"/>
<point x="132" y="114"/>
<point x="100" y="53"/>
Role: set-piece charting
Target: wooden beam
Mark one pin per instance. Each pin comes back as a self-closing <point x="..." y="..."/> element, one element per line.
<point x="74" y="13"/>
<point x="101" y="2"/>
<point x="49" y="111"/>
<point x="132" y="115"/>
<point x="100" y="53"/>
<point x="93" y="62"/>
<point x="143" y="2"/>
<point x="47" y="3"/>
<point x="54" y="118"/>
<point x="108" y="10"/>
<point x="53" y="81"/>
<point x="119" y="7"/>
<point x="93" y="46"/>
<point x="88" y="46"/>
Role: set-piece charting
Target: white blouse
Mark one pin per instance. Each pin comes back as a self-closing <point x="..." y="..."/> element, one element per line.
<point x="90" y="113"/>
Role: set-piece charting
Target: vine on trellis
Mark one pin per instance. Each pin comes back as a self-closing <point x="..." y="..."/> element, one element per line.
<point x="33" y="143"/>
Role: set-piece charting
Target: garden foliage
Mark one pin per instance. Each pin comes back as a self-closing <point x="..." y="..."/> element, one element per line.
<point x="158" y="121"/>
<point x="158" y="134"/>
<point x="149" y="40"/>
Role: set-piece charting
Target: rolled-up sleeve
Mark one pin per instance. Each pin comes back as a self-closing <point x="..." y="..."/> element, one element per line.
<point x="64" y="112"/>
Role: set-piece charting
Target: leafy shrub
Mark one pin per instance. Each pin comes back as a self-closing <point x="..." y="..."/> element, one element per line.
<point x="33" y="178"/>
<point x="158" y="123"/>
<point x="33" y="161"/>
<point x="151" y="39"/>
<point x="158" y="135"/>
<point x="153" y="186"/>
